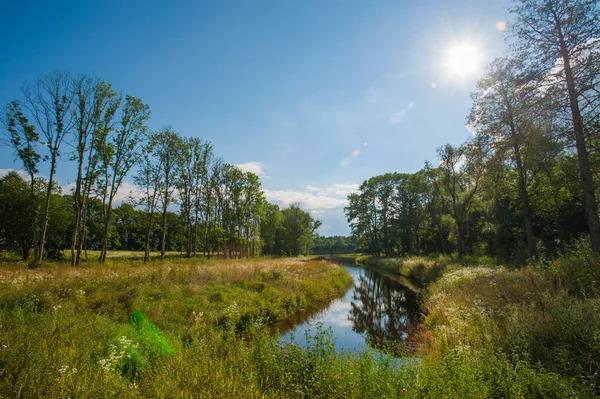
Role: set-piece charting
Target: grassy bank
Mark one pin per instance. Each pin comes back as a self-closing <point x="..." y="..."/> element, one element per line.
<point x="485" y="319"/>
<point x="179" y="329"/>
<point x="172" y="329"/>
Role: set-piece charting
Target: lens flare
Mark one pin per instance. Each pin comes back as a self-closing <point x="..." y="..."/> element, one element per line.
<point x="463" y="59"/>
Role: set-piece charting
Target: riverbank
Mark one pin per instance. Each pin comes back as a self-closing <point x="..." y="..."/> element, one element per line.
<point x="487" y="318"/>
<point x="170" y="329"/>
<point x="183" y="330"/>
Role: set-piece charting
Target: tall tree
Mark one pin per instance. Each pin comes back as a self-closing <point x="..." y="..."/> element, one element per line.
<point x="299" y="230"/>
<point x="148" y="178"/>
<point x="24" y="140"/>
<point x="561" y="40"/>
<point x="167" y="146"/>
<point x="512" y="113"/>
<point x="16" y="203"/>
<point x="460" y="171"/>
<point x="49" y="101"/>
<point x="120" y="153"/>
<point x="95" y="105"/>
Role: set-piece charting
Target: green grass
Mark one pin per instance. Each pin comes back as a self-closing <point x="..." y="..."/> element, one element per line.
<point x="184" y="329"/>
<point x="118" y="330"/>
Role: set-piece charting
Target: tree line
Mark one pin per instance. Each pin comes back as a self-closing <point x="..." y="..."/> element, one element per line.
<point x="185" y="198"/>
<point x="525" y="184"/>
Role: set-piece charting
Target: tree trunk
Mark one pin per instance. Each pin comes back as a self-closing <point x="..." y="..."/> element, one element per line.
<point x="163" y="240"/>
<point x="148" y="231"/>
<point x="78" y="205"/>
<point x="104" y="250"/>
<point x="591" y="206"/>
<point x="527" y="213"/>
<point x="81" y="239"/>
<point x="40" y="254"/>
<point x="460" y="239"/>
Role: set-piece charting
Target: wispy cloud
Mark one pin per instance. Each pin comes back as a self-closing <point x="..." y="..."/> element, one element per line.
<point x="258" y="168"/>
<point x="314" y="199"/>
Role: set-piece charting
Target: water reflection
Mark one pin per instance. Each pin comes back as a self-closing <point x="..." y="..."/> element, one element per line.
<point x="383" y="309"/>
<point x="379" y="309"/>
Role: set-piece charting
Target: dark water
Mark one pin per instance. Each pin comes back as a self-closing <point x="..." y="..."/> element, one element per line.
<point x="378" y="310"/>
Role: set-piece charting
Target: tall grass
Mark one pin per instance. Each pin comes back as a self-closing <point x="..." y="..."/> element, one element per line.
<point x="112" y="331"/>
<point x="180" y="329"/>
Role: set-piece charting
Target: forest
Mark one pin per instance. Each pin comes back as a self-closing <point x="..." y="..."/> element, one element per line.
<point x="184" y="198"/>
<point x="525" y="184"/>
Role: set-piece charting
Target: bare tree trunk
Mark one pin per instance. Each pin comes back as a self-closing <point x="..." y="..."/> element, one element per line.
<point x="527" y="213"/>
<point x="589" y="197"/>
<point x="163" y="241"/>
<point x="40" y="254"/>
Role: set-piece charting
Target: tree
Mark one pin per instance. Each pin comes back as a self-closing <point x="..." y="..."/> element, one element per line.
<point x="270" y="227"/>
<point x="510" y="112"/>
<point x="460" y="171"/>
<point x="191" y="177"/>
<point x="561" y="41"/>
<point x="148" y="178"/>
<point x="23" y="139"/>
<point x="299" y="230"/>
<point x="95" y="105"/>
<point x="15" y="212"/>
<point x="120" y="152"/>
<point x="167" y="146"/>
<point x="49" y="101"/>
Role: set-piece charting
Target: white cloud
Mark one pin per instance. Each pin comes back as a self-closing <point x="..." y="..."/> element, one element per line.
<point x="314" y="199"/>
<point x="258" y="168"/>
<point x="339" y="190"/>
<point x="21" y="172"/>
<point x="127" y="192"/>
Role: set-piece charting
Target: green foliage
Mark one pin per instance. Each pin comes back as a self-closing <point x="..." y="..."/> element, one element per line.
<point x="290" y="231"/>
<point x="578" y="271"/>
<point x="335" y="245"/>
<point x="519" y="313"/>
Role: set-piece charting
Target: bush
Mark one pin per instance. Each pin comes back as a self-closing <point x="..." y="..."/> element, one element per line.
<point x="520" y="313"/>
<point x="578" y="271"/>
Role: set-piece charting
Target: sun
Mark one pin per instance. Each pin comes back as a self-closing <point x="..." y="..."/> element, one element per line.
<point x="463" y="59"/>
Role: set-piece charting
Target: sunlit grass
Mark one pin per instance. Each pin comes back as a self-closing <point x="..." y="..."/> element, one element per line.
<point x="186" y="329"/>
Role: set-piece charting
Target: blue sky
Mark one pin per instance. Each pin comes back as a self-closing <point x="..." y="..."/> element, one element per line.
<point x="315" y="96"/>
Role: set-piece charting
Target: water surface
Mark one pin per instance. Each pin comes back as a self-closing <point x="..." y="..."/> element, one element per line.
<point x="378" y="309"/>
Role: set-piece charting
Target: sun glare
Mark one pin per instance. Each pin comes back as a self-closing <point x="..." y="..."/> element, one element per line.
<point x="463" y="59"/>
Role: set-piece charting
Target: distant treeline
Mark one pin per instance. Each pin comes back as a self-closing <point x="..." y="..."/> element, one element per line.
<point x="526" y="183"/>
<point x="335" y="245"/>
<point x="219" y="208"/>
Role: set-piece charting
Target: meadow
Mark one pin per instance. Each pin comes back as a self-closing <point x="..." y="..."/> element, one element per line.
<point x="196" y="329"/>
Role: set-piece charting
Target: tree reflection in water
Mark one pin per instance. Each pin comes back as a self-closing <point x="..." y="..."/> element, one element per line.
<point x="384" y="310"/>
<point x="378" y="310"/>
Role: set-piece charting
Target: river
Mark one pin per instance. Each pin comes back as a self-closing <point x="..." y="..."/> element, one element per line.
<point x="379" y="309"/>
